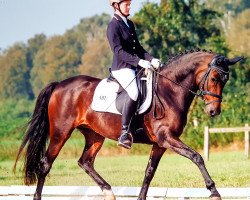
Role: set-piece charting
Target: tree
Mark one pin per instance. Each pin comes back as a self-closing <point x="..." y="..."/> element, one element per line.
<point x="97" y="55"/>
<point x="56" y="60"/>
<point x="174" y="26"/>
<point x="64" y="56"/>
<point x="93" y="66"/>
<point x="34" y="44"/>
<point x="225" y="6"/>
<point x="229" y="9"/>
<point x="15" y="73"/>
<point x="240" y="25"/>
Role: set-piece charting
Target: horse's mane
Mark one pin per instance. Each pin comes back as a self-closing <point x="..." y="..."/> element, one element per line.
<point x="180" y="64"/>
<point x="173" y="58"/>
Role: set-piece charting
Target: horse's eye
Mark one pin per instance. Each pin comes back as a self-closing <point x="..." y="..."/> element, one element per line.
<point x="214" y="79"/>
<point x="218" y="62"/>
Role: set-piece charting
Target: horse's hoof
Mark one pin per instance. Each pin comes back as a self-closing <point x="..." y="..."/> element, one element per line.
<point x="215" y="198"/>
<point x="108" y="195"/>
<point x="36" y="197"/>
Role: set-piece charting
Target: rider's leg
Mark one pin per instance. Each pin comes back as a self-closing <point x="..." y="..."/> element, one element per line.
<point x="128" y="111"/>
<point x="127" y="78"/>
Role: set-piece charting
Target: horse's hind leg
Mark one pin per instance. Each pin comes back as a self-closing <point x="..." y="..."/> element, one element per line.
<point x="93" y="144"/>
<point x="57" y="140"/>
<point x="155" y="157"/>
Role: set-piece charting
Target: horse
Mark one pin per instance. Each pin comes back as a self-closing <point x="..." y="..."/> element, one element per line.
<point x="64" y="106"/>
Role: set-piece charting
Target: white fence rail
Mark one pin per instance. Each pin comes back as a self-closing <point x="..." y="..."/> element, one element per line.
<point x="123" y="193"/>
<point x="207" y="132"/>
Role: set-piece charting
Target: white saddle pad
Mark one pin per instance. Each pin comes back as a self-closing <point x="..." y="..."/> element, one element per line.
<point x="106" y="93"/>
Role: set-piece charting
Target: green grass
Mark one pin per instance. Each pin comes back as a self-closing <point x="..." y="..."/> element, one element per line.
<point x="228" y="169"/>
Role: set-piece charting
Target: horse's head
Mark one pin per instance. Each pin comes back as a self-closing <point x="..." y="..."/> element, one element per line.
<point x="212" y="80"/>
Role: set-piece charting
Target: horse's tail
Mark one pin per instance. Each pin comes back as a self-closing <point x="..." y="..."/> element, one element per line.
<point x="36" y="136"/>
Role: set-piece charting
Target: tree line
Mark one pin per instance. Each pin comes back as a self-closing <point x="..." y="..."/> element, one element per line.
<point x="164" y="29"/>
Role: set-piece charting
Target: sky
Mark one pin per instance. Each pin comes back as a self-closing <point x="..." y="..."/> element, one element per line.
<point x="20" y="20"/>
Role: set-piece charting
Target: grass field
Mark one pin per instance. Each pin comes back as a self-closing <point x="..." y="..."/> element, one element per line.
<point x="228" y="169"/>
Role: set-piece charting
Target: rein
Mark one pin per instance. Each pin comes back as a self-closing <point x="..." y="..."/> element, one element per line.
<point x="156" y="97"/>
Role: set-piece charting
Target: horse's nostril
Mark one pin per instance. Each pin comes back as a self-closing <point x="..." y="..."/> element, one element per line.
<point x="212" y="113"/>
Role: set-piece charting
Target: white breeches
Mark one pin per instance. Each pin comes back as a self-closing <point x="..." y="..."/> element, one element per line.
<point x="126" y="77"/>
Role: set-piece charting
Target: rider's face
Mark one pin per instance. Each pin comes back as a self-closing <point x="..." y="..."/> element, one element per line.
<point x="125" y="7"/>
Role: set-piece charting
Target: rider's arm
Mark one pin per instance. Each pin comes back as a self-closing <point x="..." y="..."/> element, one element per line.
<point x="115" y="41"/>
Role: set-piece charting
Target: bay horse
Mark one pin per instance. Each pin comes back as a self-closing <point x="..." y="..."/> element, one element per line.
<point x="64" y="106"/>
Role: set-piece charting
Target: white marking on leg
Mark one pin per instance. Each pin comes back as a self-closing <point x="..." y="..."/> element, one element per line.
<point x="108" y="194"/>
<point x="215" y="198"/>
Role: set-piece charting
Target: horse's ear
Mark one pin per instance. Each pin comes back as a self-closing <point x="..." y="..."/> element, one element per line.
<point x="234" y="60"/>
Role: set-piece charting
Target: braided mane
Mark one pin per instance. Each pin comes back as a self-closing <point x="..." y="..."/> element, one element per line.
<point x="175" y="57"/>
<point x="180" y="65"/>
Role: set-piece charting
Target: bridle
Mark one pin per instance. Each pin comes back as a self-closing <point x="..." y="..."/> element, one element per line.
<point x="224" y="76"/>
<point x="213" y="65"/>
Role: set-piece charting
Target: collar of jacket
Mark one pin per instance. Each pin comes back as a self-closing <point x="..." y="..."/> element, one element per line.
<point x="118" y="18"/>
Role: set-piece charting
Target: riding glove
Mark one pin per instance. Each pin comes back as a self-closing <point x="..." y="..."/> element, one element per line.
<point x="155" y="63"/>
<point x="144" y="64"/>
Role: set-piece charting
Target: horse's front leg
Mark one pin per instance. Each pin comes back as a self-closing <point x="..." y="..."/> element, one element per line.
<point x="155" y="156"/>
<point x="179" y="147"/>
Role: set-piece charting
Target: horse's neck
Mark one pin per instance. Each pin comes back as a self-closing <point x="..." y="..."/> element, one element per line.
<point x="186" y="95"/>
<point x="183" y="80"/>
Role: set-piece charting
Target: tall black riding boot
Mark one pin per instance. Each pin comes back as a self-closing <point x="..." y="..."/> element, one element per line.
<point x="128" y="111"/>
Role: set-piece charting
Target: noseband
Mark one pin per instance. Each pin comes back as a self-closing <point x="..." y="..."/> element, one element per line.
<point x="224" y="76"/>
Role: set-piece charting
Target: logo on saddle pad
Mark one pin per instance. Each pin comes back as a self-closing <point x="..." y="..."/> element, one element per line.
<point x="104" y="98"/>
<point x="107" y="93"/>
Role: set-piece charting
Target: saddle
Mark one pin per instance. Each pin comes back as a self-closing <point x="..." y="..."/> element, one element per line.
<point x="109" y="95"/>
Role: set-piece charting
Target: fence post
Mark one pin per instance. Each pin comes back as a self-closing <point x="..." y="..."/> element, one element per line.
<point x="206" y="143"/>
<point x="247" y="141"/>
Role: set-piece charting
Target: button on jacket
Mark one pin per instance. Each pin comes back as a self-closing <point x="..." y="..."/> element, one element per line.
<point x="124" y="43"/>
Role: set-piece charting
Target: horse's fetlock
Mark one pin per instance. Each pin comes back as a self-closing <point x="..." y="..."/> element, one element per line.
<point x="210" y="184"/>
<point x="106" y="187"/>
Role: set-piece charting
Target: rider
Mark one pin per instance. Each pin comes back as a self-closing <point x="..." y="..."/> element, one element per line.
<point x="128" y="54"/>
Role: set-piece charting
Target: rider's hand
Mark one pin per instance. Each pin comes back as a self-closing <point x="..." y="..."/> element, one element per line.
<point x="144" y="64"/>
<point x="155" y="63"/>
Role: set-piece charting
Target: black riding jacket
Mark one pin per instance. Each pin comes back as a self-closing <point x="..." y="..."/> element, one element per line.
<point x="124" y="44"/>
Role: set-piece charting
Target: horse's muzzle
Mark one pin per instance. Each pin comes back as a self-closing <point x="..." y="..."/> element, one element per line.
<point x="213" y="109"/>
